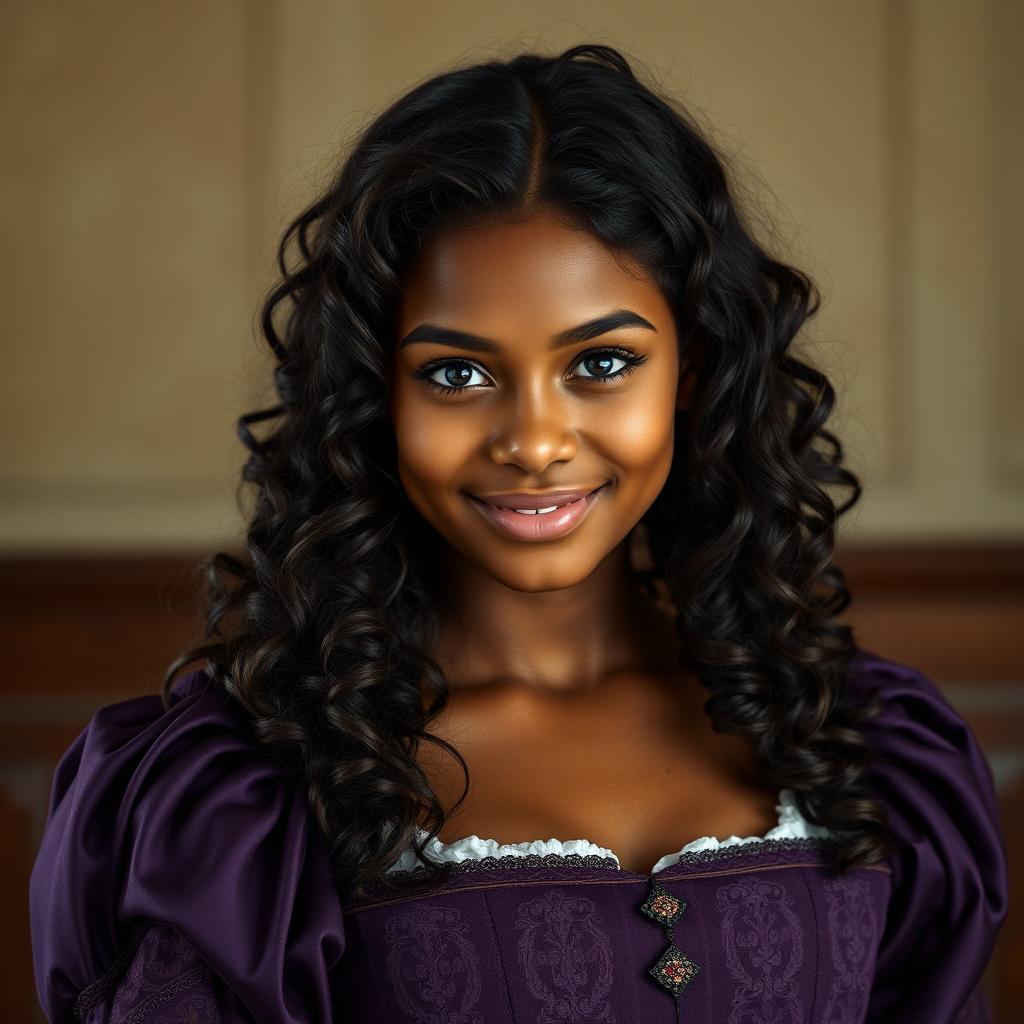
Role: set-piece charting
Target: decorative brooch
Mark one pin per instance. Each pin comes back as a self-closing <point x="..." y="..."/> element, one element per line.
<point x="674" y="969"/>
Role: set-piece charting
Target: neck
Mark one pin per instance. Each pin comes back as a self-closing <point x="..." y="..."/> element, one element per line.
<point x="561" y="640"/>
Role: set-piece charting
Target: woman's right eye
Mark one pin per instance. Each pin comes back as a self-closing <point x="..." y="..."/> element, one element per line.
<point x="456" y="374"/>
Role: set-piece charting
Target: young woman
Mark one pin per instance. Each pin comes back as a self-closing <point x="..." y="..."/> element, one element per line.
<point x="528" y="699"/>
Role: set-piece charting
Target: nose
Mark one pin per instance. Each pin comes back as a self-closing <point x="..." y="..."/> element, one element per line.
<point x="535" y="435"/>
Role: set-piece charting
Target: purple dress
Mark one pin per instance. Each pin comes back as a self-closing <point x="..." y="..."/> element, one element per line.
<point x="181" y="877"/>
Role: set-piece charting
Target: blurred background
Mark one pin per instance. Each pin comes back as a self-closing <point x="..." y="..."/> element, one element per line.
<point x="153" y="153"/>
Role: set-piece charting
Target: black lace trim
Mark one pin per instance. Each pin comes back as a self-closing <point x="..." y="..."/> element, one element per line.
<point x="144" y="1010"/>
<point x="770" y="846"/>
<point x="505" y="862"/>
<point x="529" y="860"/>
<point x="108" y="981"/>
<point x="96" y="990"/>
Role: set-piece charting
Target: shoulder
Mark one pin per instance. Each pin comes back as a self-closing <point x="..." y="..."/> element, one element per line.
<point x="927" y="764"/>
<point x="175" y="815"/>
<point x="949" y="883"/>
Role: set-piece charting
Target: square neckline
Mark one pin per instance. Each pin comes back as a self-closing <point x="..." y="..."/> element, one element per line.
<point x="472" y="848"/>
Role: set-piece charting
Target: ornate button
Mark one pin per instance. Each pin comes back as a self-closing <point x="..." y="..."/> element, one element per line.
<point x="674" y="969"/>
<point x="662" y="906"/>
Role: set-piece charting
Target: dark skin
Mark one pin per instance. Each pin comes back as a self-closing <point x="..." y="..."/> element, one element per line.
<point x="567" y="701"/>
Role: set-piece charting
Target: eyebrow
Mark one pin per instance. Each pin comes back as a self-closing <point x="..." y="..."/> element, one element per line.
<point x="477" y="343"/>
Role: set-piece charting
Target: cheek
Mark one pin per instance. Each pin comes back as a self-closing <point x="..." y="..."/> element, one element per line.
<point x="639" y="439"/>
<point x="432" y="448"/>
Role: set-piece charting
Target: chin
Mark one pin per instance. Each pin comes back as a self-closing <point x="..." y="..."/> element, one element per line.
<point x="538" y="574"/>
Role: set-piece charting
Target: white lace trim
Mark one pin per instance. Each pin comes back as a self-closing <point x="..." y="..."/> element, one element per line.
<point x="792" y="825"/>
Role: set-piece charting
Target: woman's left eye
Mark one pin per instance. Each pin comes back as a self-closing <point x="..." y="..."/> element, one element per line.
<point x="599" y="365"/>
<point x="607" y="356"/>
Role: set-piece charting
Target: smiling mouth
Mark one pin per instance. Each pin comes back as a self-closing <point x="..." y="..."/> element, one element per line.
<point x="546" y="523"/>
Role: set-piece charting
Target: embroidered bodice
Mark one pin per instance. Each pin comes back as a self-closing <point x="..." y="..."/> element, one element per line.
<point x="182" y="876"/>
<point x="791" y="825"/>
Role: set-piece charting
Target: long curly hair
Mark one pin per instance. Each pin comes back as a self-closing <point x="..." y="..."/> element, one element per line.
<point x="322" y="630"/>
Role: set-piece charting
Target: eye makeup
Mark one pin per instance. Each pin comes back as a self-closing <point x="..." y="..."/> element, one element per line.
<point x="628" y="356"/>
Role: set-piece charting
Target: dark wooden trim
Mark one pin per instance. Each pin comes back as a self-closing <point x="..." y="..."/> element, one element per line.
<point x="953" y="610"/>
<point x="111" y="580"/>
<point x="934" y="568"/>
<point x="893" y="566"/>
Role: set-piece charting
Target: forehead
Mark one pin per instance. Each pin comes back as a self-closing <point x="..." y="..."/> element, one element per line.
<point x="540" y="268"/>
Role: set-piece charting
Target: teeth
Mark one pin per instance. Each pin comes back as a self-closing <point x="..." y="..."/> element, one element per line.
<point x="535" y="511"/>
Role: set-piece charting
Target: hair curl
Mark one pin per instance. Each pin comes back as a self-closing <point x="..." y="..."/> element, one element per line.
<point x="322" y="629"/>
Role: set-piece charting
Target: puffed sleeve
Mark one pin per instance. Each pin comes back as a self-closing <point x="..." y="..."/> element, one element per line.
<point x="174" y="815"/>
<point x="949" y="882"/>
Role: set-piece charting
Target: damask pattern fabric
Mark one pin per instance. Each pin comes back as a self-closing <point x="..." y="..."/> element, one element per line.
<point x="180" y="878"/>
<point x="158" y="976"/>
<point x="549" y="944"/>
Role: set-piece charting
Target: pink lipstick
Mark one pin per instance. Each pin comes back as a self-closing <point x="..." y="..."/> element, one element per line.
<point x="539" y="516"/>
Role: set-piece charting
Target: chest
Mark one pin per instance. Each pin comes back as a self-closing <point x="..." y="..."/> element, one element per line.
<point x="638" y="771"/>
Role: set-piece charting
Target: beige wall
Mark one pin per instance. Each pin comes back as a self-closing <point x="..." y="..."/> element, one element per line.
<point x="153" y="152"/>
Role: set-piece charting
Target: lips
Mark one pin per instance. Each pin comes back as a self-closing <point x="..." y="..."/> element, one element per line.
<point x="525" y="500"/>
<point x="534" y="523"/>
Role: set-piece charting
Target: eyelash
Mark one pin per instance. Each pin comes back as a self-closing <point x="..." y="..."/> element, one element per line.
<point x="631" y="358"/>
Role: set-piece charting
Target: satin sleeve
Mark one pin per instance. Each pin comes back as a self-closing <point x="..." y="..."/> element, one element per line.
<point x="949" y="883"/>
<point x="175" y="816"/>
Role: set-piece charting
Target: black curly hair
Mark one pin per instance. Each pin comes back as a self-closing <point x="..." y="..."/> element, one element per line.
<point x="322" y="629"/>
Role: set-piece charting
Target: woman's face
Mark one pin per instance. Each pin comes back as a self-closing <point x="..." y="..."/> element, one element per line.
<point x="499" y="386"/>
